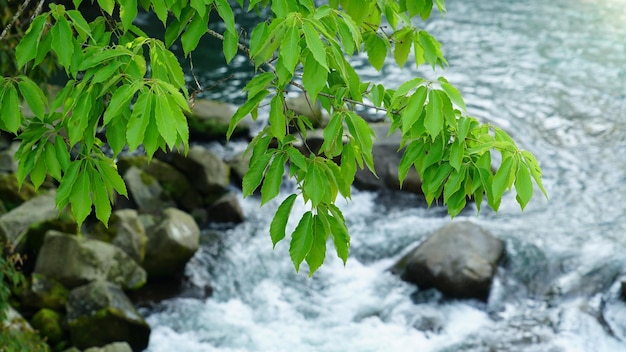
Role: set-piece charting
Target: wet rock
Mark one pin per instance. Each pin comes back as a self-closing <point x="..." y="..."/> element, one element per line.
<point x="99" y="313"/>
<point x="49" y="323"/>
<point x="210" y="119"/>
<point x="146" y="191"/>
<point x="112" y="347"/>
<point x="226" y="210"/>
<point x="43" y="292"/>
<point x="207" y="173"/>
<point x="587" y="280"/>
<point x="126" y="231"/>
<point x="171" y="243"/>
<point x="239" y="165"/>
<point x="36" y="210"/>
<point x="529" y="265"/>
<point x="459" y="260"/>
<point x="74" y="261"/>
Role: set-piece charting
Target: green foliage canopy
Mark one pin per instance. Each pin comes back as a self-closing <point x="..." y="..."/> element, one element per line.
<point x="131" y="87"/>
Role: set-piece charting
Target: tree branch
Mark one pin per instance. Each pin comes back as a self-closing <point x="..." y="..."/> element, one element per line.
<point x="19" y="12"/>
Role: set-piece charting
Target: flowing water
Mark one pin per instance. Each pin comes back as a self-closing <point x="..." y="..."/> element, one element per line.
<point x="551" y="73"/>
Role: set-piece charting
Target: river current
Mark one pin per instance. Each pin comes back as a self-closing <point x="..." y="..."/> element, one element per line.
<point x="552" y="74"/>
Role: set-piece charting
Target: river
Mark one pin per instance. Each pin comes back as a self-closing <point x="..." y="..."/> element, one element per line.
<point x="551" y="73"/>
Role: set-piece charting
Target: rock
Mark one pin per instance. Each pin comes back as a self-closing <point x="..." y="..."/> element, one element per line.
<point x="529" y="265"/>
<point x="43" y="292"/>
<point x="8" y="164"/>
<point x="208" y="174"/>
<point x="171" y="243"/>
<point x="226" y="209"/>
<point x="126" y="231"/>
<point x="210" y="119"/>
<point x="175" y="186"/>
<point x="302" y="105"/>
<point x="146" y="191"/>
<point x="16" y="334"/>
<point x="99" y="313"/>
<point x="49" y="323"/>
<point x="386" y="161"/>
<point x="586" y="280"/>
<point x="112" y="347"/>
<point x="459" y="260"/>
<point x="239" y="165"/>
<point x="39" y="209"/>
<point x="11" y="194"/>
<point x="74" y="261"/>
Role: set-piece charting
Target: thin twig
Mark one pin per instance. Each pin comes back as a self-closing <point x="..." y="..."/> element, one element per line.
<point x="37" y="10"/>
<point x="14" y="19"/>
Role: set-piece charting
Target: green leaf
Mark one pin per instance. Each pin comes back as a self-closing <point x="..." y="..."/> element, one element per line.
<point x="296" y="158"/>
<point x="128" y="12"/>
<point x="453" y="93"/>
<point x="434" y="115"/>
<point x="453" y="184"/>
<point x="160" y="9"/>
<point x="339" y="232"/>
<point x="244" y="110"/>
<point x="279" y="223"/>
<point x="67" y="182"/>
<point x="277" y="121"/>
<point x="314" y="184"/>
<point x="501" y="178"/>
<point x="195" y="30"/>
<point x="413" y="110"/>
<point x="110" y="176"/>
<point x="407" y="87"/>
<point x="317" y="253"/>
<point x="523" y="185"/>
<point x="101" y="199"/>
<point x="290" y="49"/>
<point x="107" y="6"/>
<point x="26" y="49"/>
<point x="535" y="170"/>
<point x="80" y="197"/>
<point x="402" y="45"/>
<point x="314" y="44"/>
<point x="61" y="152"/>
<point x="314" y="76"/>
<point x="348" y="163"/>
<point x="414" y="151"/>
<point x="226" y="13"/>
<point x="230" y="46"/>
<point x="116" y="135"/>
<point x="301" y="240"/>
<point x="120" y="100"/>
<point x="139" y="120"/>
<point x="440" y="5"/>
<point x="333" y="134"/>
<point x="273" y="179"/>
<point x="254" y="175"/>
<point x="376" y="48"/>
<point x="61" y="41"/>
<point x="259" y="83"/>
<point x="162" y="114"/>
<point x="280" y="8"/>
<point x="38" y="173"/>
<point x="80" y="24"/>
<point x="432" y="51"/>
<point x="52" y="163"/>
<point x="457" y="152"/>
<point x="10" y="114"/>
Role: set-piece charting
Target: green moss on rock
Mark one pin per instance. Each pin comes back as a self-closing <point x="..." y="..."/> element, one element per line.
<point x="50" y="325"/>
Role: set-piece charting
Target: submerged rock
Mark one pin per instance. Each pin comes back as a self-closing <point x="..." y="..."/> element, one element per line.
<point x="99" y="313"/>
<point x="74" y="261"/>
<point x="459" y="260"/>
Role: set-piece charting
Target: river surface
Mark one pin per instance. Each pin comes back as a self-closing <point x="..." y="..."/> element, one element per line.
<point x="551" y="73"/>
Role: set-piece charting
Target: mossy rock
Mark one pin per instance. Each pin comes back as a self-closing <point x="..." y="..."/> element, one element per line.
<point x="11" y="194"/>
<point x="16" y="334"/>
<point x="49" y="323"/>
<point x="65" y="223"/>
<point x="126" y="231"/>
<point x="43" y="292"/>
<point x="209" y="120"/>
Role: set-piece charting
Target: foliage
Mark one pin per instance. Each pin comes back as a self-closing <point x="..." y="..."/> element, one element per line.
<point x="10" y="277"/>
<point x="112" y="88"/>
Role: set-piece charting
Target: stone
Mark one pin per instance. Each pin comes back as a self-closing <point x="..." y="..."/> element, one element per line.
<point x="226" y="210"/>
<point x="8" y="164"/>
<point x="11" y="194"/>
<point x="146" y="191"/>
<point x="209" y="120"/>
<point x="171" y="243"/>
<point x="126" y="231"/>
<point x="112" y="347"/>
<point x="208" y="174"/>
<point x="44" y="292"/>
<point x="302" y="105"/>
<point x="39" y="209"/>
<point x="16" y="334"/>
<point x="49" y="323"/>
<point x="99" y="313"/>
<point x="459" y="260"/>
<point x="75" y="261"/>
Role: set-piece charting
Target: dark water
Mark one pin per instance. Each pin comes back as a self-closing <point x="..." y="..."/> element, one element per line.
<point x="553" y="74"/>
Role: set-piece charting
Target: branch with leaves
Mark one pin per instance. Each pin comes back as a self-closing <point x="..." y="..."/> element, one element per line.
<point x="110" y="89"/>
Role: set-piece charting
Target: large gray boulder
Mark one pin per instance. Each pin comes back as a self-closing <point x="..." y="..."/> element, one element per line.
<point x="171" y="243"/>
<point x="43" y="292"/>
<point x="125" y="231"/>
<point x="146" y="191"/>
<point x="39" y="209"/>
<point x="226" y="210"/>
<point x="75" y="261"/>
<point x="460" y="260"/>
<point x="208" y="174"/>
<point x="99" y="313"/>
<point x="8" y="164"/>
<point x="209" y="120"/>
